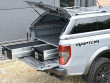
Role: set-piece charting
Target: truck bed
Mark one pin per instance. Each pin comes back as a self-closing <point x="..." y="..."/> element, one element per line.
<point x="49" y="33"/>
<point x="53" y="38"/>
<point x="40" y="65"/>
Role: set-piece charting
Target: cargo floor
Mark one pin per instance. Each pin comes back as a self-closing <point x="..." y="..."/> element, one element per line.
<point x="54" y="38"/>
<point x="40" y="65"/>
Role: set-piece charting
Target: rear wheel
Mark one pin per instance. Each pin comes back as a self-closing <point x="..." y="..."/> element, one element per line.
<point x="100" y="71"/>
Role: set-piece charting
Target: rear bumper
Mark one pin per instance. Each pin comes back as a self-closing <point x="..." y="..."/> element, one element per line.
<point x="58" y="71"/>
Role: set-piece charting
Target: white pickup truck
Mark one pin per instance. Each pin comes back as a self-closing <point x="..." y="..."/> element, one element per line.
<point x="68" y="41"/>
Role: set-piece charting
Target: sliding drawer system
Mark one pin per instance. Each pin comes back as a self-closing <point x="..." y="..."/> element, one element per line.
<point x="39" y="49"/>
<point x="20" y="50"/>
<point x="46" y="52"/>
<point x="40" y="55"/>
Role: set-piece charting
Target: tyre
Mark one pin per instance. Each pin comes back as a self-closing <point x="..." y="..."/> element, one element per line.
<point x="99" y="71"/>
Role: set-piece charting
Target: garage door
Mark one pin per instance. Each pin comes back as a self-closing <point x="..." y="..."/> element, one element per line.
<point x="104" y="2"/>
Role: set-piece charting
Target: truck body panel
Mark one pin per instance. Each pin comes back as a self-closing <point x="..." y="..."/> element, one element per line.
<point x="82" y="52"/>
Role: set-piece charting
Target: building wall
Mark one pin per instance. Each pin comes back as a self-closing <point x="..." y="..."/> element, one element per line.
<point x="87" y="3"/>
<point x="104" y="2"/>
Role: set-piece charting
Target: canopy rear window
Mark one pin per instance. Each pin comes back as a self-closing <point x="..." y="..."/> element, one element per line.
<point x="52" y="19"/>
<point x="50" y="9"/>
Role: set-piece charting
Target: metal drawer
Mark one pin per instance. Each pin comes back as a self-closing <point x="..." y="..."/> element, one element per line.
<point x="46" y="52"/>
<point x="20" y="50"/>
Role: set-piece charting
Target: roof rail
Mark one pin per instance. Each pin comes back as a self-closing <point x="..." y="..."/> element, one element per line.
<point x="90" y="12"/>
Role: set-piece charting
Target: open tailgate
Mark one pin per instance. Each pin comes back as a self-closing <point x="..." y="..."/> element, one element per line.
<point x="49" y="8"/>
<point x="40" y="65"/>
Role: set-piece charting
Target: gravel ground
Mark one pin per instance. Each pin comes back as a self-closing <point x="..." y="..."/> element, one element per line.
<point x="15" y="71"/>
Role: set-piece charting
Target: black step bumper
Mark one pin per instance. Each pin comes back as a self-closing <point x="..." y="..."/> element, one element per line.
<point x="58" y="71"/>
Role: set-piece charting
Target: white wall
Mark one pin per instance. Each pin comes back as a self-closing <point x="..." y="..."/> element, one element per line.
<point x="14" y="21"/>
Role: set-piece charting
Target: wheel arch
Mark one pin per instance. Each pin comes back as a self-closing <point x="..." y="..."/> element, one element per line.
<point x="99" y="53"/>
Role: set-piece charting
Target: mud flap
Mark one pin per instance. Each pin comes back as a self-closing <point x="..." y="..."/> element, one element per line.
<point x="40" y="65"/>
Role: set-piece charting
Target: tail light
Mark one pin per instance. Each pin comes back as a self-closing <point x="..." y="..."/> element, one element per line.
<point x="64" y="54"/>
<point x="27" y="36"/>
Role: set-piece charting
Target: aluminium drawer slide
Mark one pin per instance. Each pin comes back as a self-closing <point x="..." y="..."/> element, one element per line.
<point x="46" y="52"/>
<point x="21" y="50"/>
<point x="40" y="65"/>
<point x="39" y="54"/>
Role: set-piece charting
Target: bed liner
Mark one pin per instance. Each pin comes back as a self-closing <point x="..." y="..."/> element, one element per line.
<point x="40" y="65"/>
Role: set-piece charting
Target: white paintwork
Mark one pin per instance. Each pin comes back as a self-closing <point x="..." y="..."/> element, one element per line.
<point x="83" y="56"/>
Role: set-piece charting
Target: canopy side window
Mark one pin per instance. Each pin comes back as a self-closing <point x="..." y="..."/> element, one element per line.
<point x="103" y="22"/>
<point x="85" y="25"/>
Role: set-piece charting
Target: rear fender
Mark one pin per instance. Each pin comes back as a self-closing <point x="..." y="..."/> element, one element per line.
<point x="94" y="56"/>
